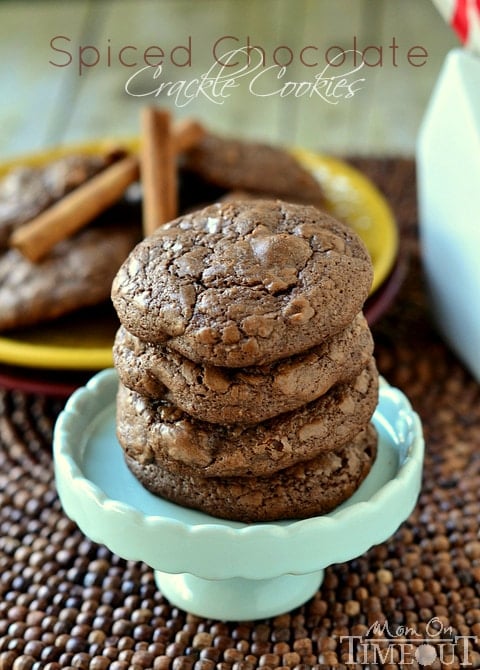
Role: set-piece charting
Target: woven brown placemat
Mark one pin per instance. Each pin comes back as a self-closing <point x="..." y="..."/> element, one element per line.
<point x="68" y="602"/>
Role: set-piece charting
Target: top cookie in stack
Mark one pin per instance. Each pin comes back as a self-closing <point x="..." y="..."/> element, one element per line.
<point x="247" y="377"/>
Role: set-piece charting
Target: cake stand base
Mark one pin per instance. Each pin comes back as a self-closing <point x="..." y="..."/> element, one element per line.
<point x="213" y="567"/>
<point x="237" y="598"/>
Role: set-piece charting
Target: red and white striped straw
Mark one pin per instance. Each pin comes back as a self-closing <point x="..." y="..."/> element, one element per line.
<point x="464" y="17"/>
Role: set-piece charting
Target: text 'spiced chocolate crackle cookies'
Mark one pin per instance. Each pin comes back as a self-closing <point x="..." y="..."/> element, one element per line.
<point x="247" y="378"/>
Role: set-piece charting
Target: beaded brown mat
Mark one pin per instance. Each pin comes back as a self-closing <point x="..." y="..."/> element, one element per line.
<point x="68" y="602"/>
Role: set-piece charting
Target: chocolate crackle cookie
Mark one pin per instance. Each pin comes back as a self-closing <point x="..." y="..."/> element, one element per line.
<point x="77" y="273"/>
<point x="244" y="283"/>
<point x="253" y="167"/>
<point x="156" y="431"/>
<point x="309" y="488"/>
<point x="242" y="395"/>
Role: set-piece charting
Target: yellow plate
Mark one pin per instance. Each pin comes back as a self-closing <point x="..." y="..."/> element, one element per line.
<point x="83" y="341"/>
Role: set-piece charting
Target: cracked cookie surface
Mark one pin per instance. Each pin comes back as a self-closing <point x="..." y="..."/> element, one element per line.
<point x="244" y="283"/>
<point x="307" y="489"/>
<point x="78" y="272"/>
<point x="156" y="431"/>
<point x="242" y="395"/>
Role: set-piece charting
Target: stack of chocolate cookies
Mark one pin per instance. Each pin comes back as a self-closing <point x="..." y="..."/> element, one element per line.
<point x="247" y="380"/>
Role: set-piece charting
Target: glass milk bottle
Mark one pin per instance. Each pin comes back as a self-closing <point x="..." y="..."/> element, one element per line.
<point x="448" y="172"/>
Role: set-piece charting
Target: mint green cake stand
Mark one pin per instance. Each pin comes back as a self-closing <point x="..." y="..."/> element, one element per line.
<point x="221" y="569"/>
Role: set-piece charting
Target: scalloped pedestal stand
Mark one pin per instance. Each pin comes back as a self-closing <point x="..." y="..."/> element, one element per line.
<point x="216" y="568"/>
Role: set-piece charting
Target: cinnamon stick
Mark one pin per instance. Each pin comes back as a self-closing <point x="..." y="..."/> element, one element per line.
<point x="65" y="217"/>
<point x="187" y="133"/>
<point x="35" y="238"/>
<point x="158" y="169"/>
